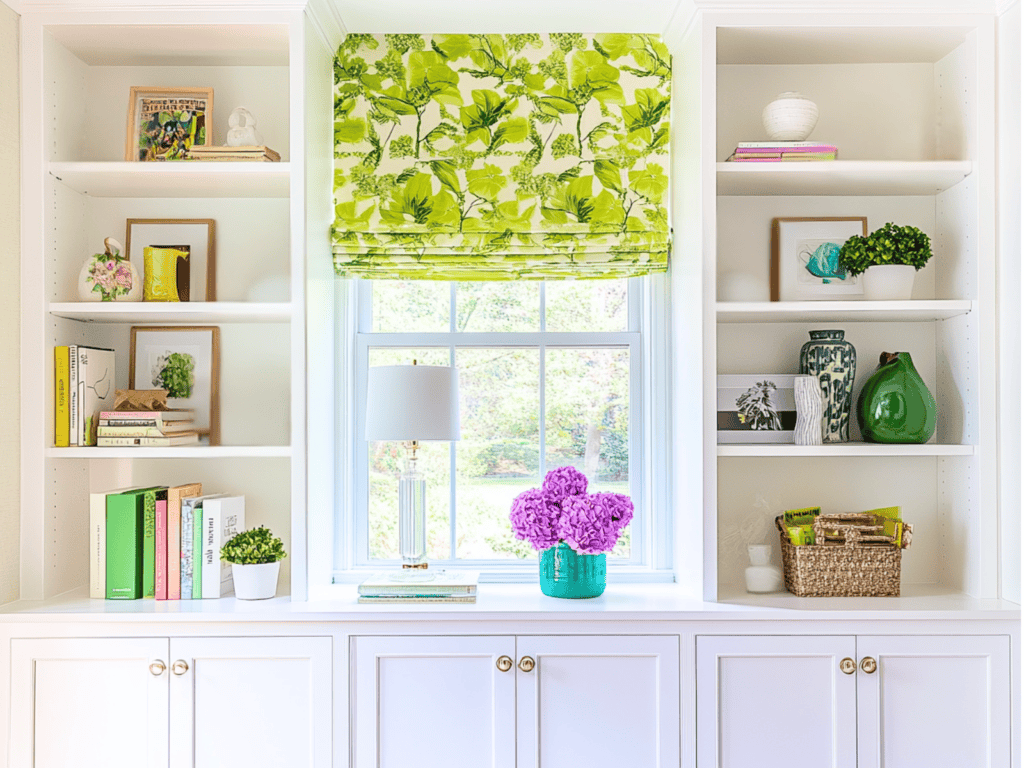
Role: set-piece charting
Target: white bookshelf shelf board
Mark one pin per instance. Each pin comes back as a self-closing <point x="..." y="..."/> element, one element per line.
<point x="175" y="452"/>
<point x="844" y="449"/>
<point x="184" y="312"/>
<point x="840" y="311"/>
<point x="841" y="177"/>
<point x="175" y="179"/>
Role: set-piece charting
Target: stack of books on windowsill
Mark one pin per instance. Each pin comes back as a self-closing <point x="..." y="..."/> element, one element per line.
<point x="235" y="154"/>
<point x="152" y="429"/>
<point x="437" y="586"/>
<point x="781" y="151"/>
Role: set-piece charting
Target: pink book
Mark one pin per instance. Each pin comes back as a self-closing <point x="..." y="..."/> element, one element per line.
<point x="161" y="549"/>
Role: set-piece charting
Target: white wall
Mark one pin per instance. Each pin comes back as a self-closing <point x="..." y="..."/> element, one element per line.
<point x="10" y="256"/>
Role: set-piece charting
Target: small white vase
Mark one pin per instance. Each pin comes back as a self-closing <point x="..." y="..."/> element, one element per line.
<point x="888" y="282"/>
<point x="255" y="582"/>
<point x="810" y="411"/>
<point x="791" y="117"/>
<point x="760" y="576"/>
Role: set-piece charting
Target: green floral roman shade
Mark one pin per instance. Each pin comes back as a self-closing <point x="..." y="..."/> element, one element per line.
<point x="480" y="157"/>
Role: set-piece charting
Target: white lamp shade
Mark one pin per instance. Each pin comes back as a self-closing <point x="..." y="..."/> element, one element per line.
<point x="412" y="402"/>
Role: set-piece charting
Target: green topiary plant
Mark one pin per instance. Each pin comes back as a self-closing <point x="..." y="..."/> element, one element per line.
<point x="886" y="245"/>
<point x="254" y="547"/>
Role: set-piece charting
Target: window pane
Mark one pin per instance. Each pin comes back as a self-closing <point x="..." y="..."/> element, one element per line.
<point x="498" y="456"/>
<point x="587" y="417"/>
<point x="386" y="460"/>
<point x="587" y="305"/>
<point x="497" y="307"/>
<point x="411" y="305"/>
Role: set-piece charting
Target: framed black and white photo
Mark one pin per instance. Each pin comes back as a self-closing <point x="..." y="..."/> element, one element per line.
<point x="186" y="362"/>
<point x="756" y="408"/>
<point x="805" y="258"/>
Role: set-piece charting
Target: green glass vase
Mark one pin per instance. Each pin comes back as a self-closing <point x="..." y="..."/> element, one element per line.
<point x="895" y="406"/>
<point x="566" y="573"/>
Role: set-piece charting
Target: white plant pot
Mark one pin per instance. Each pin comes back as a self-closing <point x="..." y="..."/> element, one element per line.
<point x="791" y="117"/>
<point x="888" y="282"/>
<point x="255" y="582"/>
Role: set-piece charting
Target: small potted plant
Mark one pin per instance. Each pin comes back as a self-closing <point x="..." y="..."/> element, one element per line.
<point x="255" y="558"/>
<point x="888" y="258"/>
<point x="572" y="529"/>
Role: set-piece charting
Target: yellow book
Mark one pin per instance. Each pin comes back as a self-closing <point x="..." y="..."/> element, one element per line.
<point x="61" y="397"/>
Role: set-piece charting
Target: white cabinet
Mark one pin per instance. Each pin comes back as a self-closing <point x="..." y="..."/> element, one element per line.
<point x="901" y="702"/>
<point x="440" y="702"/>
<point x="202" y="702"/>
<point x="91" y="703"/>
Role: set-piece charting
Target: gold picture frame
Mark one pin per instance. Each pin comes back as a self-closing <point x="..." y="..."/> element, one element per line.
<point x="202" y="249"/>
<point x="150" y="348"/>
<point x="149" y="139"/>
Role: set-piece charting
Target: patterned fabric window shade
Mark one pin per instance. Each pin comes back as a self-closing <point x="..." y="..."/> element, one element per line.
<point x="496" y="157"/>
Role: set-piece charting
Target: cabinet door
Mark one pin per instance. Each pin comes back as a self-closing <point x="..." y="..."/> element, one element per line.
<point x="433" y="702"/>
<point x="602" y="702"/>
<point x="775" y="702"/>
<point x="943" y="702"/>
<point x="88" y="702"/>
<point x="246" y="701"/>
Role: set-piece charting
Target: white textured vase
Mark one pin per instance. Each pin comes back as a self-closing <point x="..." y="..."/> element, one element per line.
<point x="888" y="282"/>
<point x="791" y="117"/>
<point x="810" y="411"/>
<point x="255" y="582"/>
<point x="761" y="577"/>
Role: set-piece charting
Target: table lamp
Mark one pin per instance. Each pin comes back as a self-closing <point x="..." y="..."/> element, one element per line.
<point x="412" y="403"/>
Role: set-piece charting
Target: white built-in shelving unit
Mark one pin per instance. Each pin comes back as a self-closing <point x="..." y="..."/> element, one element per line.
<point x="78" y="66"/>
<point x="909" y="100"/>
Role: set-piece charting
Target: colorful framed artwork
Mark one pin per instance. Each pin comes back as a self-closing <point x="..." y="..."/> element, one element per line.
<point x="176" y="258"/>
<point x="164" y="123"/>
<point x="186" y="362"/>
<point x="756" y="408"/>
<point x="805" y="258"/>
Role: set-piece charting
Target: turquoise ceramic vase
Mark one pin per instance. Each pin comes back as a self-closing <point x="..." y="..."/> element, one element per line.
<point x="566" y="573"/>
<point x="895" y="406"/>
<point x="832" y="360"/>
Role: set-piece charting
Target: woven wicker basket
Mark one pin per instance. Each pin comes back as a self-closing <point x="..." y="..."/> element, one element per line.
<point x="849" y="568"/>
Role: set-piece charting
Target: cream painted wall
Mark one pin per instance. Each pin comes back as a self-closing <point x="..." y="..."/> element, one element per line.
<point x="10" y="324"/>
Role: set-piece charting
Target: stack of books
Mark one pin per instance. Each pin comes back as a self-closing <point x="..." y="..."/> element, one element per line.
<point x="234" y="154"/>
<point x="83" y="380"/>
<point x="781" y="151"/>
<point x="160" y="542"/>
<point x="154" y="429"/>
<point x="443" y="587"/>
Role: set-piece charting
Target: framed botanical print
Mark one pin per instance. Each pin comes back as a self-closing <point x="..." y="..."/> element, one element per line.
<point x="164" y="123"/>
<point x="805" y="258"/>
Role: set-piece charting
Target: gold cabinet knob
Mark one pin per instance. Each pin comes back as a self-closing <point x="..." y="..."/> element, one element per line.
<point x="157" y="668"/>
<point x="527" y="664"/>
<point x="848" y="666"/>
<point x="868" y="664"/>
<point x="179" y="667"/>
<point x="504" y="663"/>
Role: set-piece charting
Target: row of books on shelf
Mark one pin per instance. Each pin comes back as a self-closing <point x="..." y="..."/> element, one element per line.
<point x="432" y="585"/>
<point x="781" y="151"/>
<point x="83" y="407"/>
<point x="161" y="542"/>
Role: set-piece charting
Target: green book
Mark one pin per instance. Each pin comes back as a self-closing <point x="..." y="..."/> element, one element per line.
<point x="197" y="552"/>
<point x="125" y="534"/>
<point x="151" y="497"/>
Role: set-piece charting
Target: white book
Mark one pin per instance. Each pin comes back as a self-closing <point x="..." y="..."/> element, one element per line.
<point x="189" y="571"/>
<point x="98" y="541"/>
<point x="95" y="389"/>
<point x="223" y="518"/>
<point x="436" y="582"/>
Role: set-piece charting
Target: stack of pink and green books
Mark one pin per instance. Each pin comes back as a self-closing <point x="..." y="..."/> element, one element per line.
<point x="781" y="151"/>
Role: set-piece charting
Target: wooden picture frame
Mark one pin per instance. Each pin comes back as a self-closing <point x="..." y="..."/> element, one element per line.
<point x="150" y="346"/>
<point x="202" y="249"/>
<point x="799" y="245"/>
<point x="169" y="140"/>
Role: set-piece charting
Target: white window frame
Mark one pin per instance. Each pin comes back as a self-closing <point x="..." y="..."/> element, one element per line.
<point x="649" y="461"/>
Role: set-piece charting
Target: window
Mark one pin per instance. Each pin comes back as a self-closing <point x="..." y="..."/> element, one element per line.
<point x="550" y="374"/>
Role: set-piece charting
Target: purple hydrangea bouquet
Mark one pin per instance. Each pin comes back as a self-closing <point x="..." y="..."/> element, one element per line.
<point x="572" y="529"/>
